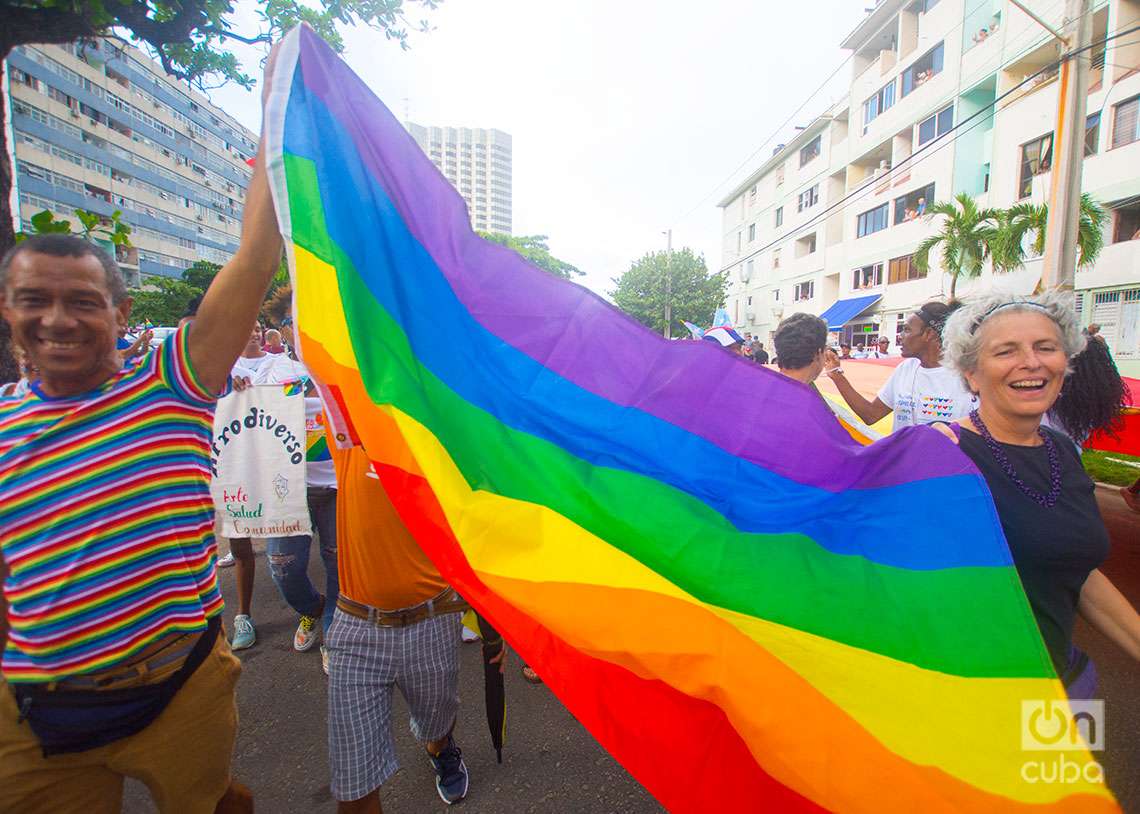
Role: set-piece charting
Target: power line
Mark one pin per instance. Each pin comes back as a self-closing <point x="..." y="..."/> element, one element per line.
<point x="1021" y="51"/>
<point x="796" y="112"/>
<point x="938" y="143"/>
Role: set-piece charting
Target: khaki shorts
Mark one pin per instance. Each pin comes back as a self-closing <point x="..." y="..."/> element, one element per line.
<point x="183" y="757"/>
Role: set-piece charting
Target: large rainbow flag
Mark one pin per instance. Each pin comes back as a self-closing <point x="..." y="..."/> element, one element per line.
<point x="745" y="606"/>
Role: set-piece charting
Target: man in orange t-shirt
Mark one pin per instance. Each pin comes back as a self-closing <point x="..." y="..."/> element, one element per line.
<point x="397" y="622"/>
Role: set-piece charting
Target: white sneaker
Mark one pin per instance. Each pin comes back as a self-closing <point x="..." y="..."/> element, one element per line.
<point x="325" y="659"/>
<point x="226" y="561"/>
<point x="468" y="635"/>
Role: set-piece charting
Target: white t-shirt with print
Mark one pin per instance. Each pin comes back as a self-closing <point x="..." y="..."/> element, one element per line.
<point x="923" y="395"/>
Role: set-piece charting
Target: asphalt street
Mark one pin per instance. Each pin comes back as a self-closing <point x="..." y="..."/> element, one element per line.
<point x="550" y="762"/>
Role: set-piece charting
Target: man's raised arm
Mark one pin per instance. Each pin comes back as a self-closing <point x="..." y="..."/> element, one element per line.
<point x="228" y="310"/>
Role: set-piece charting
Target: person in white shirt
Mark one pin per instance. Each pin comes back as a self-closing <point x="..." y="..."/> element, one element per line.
<point x="246" y="369"/>
<point x="921" y="390"/>
<point x="881" y="349"/>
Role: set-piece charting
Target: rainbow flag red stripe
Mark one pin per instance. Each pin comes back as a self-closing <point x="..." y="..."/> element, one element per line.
<point x="747" y="607"/>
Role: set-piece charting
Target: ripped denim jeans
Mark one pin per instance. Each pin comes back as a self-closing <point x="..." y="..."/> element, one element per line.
<point x="289" y="559"/>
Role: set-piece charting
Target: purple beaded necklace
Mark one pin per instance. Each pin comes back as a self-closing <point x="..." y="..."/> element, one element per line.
<point x="1049" y="500"/>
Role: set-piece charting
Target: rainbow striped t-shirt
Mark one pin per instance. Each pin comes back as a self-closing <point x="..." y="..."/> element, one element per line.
<point x="106" y="521"/>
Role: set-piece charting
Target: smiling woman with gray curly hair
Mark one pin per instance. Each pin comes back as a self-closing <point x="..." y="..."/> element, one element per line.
<point x="1013" y="353"/>
<point x="961" y="341"/>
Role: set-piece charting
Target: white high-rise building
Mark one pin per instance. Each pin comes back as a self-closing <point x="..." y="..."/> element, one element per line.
<point x="477" y="162"/>
<point x="829" y="223"/>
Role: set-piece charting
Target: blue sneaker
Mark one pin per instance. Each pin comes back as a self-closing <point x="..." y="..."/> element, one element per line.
<point x="244" y="634"/>
<point x="450" y="773"/>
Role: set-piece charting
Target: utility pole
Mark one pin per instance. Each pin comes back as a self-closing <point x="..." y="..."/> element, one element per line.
<point x="1060" y="261"/>
<point x="669" y="285"/>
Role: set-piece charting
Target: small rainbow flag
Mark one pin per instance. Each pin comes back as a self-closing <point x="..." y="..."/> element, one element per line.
<point x="744" y="605"/>
<point x="296" y="388"/>
<point x="316" y="446"/>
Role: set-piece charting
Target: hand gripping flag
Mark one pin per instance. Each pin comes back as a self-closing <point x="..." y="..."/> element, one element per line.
<point x="746" y="607"/>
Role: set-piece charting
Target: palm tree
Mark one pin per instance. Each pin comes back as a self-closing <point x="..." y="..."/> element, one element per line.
<point x="1021" y="220"/>
<point x="965" y="238"/>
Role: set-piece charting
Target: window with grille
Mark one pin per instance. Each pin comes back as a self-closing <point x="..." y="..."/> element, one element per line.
<point x="808" y="198"/>
<point x="1124" y="122"/>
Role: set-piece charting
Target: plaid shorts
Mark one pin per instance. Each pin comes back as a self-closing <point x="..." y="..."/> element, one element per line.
<point x="365" y="662"/>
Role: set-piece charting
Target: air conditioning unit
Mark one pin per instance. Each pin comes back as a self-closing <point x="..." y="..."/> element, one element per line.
<point x="74" y="114"/>
<point x="207" y="183"/>
<point x="199" y="217"/>
<point x="156" y="104"/>
<point x="750" y="316"/>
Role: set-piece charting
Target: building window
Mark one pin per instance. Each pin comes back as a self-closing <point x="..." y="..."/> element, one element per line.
<point x="803" y="291"/>
<point x="922" y="70"/>
<point x="867" y="277"/>
<point x="923" y="6"/>
<point x="779" y="216"/>
<point x="1092" y="134"/>
<point x="776" y="259"/>
<point x="1125" y="121"/>
<point x="739" y="240"/>
<point x="1126" y="224"/>
<point x="873" y="220"/>
<point x="938" y="124"/>
<point x="878" y="104"/>
<point x="1036" y="158"/>
<point x="808" y="198"/>
<point x="751" y="232"/>
<point x="805" y="245"/>
<point x="776" y="294"/>
<point x="809" y="151"/>
<point x="902" y="269"/>
<point x="913" y="204"/>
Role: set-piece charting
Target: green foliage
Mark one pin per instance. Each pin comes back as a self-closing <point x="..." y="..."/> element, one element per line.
<point x="1021" y="221"/>
<point x="93" y="227"/>
<point x="680" y="279"/>
<point x="964" y="238"/>
<point x="162" y="300"/>
<point x="193" y="38"/>
<point x="535" y="250"/>
<point x="201" y="274"/>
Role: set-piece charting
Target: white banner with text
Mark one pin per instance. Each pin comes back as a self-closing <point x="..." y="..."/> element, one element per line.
<point x="258" y="461"/>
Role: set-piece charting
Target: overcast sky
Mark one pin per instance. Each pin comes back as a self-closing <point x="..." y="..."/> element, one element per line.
<point x="628" y="118"/>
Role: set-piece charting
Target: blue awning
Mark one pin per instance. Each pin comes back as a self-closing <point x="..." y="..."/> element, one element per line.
<point x="843" y="311"/>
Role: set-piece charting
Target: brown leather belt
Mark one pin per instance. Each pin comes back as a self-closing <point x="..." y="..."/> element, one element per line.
<point x="446" y="602"/>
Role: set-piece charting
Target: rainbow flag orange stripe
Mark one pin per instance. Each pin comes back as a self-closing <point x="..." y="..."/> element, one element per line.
<point x="747" y="607"/>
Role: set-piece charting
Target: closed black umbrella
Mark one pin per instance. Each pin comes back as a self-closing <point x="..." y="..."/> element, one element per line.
<point x="493" y="692"/>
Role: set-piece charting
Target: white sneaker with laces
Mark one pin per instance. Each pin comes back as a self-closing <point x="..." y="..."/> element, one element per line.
<point x="226" y="561"/>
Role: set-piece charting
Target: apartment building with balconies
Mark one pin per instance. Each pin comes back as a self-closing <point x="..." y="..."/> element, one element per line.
<point x="98" y="125"/>
<point x="477" y="162"/>
<point x="946" y="96"/>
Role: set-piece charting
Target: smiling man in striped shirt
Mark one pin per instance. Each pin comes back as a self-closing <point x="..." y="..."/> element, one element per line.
<point x="112" y="661"/>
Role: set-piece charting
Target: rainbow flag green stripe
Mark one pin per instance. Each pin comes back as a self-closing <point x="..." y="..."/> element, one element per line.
<point x="780" y="617"/>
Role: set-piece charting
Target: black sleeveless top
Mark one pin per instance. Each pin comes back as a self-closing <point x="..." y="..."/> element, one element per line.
<point x="1054" y="549"/>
